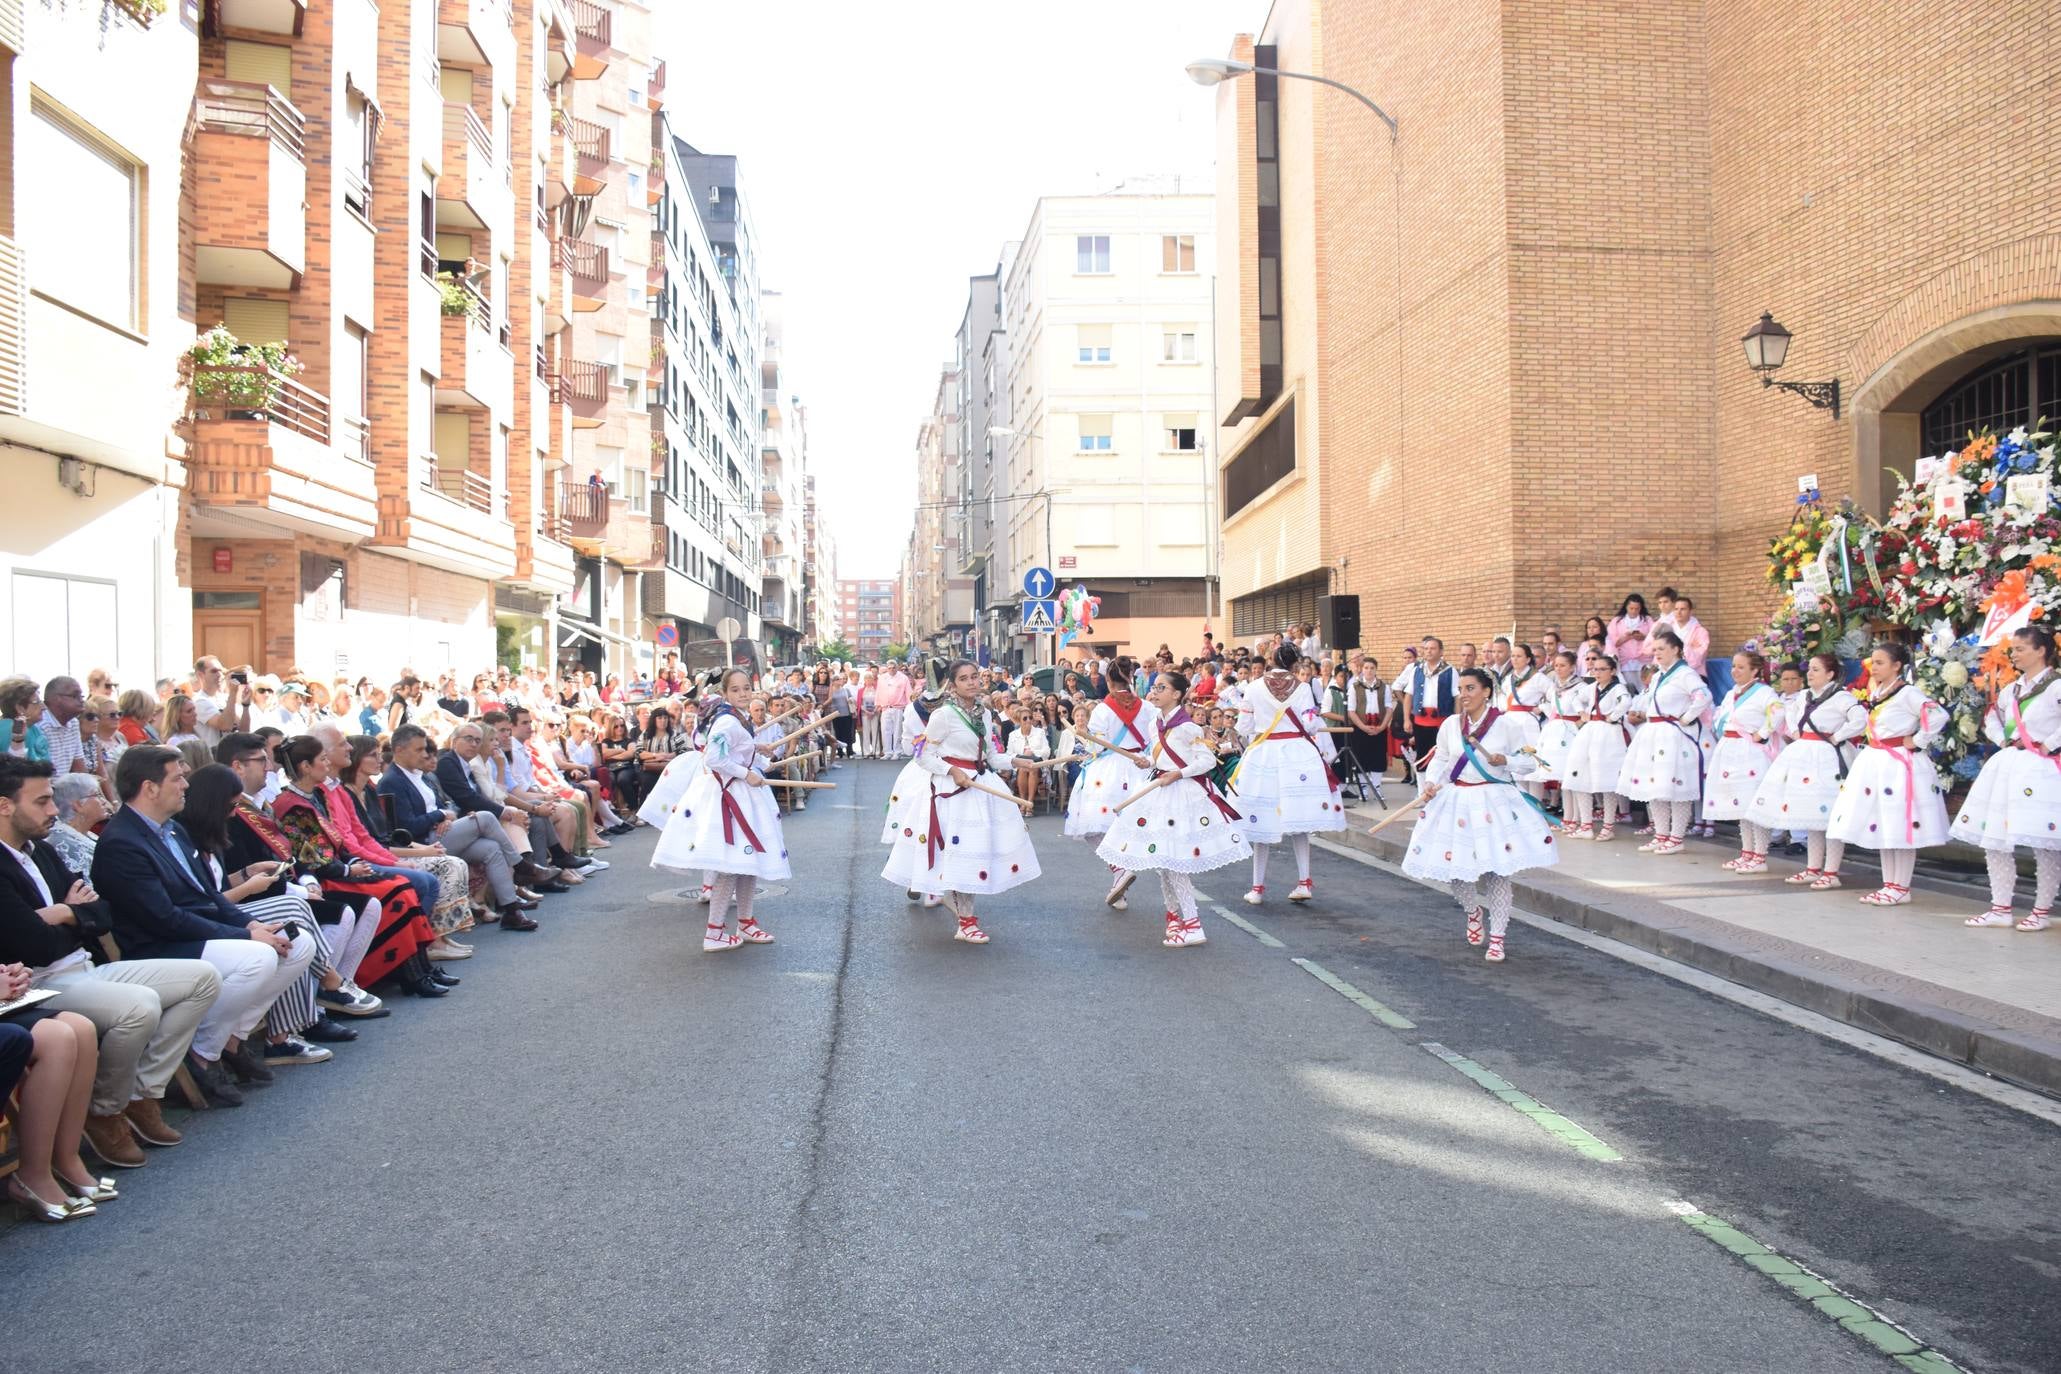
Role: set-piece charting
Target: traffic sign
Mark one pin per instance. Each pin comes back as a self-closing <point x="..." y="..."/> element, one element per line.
<point x="1040" y="617"/>
<point x="668" y="636"/>
<point x="1038" y="583"/>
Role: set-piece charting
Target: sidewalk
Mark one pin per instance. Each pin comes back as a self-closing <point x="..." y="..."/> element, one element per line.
<point x="1990" y="999"/>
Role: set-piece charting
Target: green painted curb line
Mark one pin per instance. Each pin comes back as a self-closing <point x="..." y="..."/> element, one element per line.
<point x="1542" y="1116"/>
<point x="1386" y="1015"/>
<point x="1248" y="927"/>
<point x="1854" y="1317"/>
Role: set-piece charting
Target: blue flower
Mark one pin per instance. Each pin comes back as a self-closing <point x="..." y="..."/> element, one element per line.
<point x="1968" y="767"/>
<point x="1805" y="498"/>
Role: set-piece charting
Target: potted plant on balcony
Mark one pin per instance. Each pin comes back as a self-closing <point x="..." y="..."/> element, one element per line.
<point x="558" y="124"/>
<point x="457" y="298"/>
<point x="143" y="11"/>
<point x="244" y="379"/>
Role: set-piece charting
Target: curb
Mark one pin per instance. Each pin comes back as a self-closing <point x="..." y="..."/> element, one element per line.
<point x="1992" y="1037"/>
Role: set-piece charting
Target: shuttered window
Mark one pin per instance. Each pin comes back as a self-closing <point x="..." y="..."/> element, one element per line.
<point x="264" y="63"/>
<point x="255" y="321"/>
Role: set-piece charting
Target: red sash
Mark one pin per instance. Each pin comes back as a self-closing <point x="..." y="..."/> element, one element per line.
<point x="733" y="813"/>
<point x="934" y="837"/>
<point x="1229" y="812"/>
<point x="1293" y="719"/>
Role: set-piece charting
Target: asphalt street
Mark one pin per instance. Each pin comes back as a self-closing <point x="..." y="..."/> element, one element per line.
<point x="870" y="1147"/>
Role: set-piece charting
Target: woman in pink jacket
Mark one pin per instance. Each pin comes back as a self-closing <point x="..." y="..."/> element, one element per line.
<point x="1631" y="633"/>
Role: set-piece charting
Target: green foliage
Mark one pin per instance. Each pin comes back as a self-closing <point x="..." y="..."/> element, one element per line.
<point x="836" y="649"/>
<point x="237" y="390"/>
<point x="456" y="299"/>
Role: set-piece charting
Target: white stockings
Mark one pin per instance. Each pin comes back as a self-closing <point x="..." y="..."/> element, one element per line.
<point x="1490" y="891"/>
<point x="1179" y="891"/>
<point x="1823" y="855"/>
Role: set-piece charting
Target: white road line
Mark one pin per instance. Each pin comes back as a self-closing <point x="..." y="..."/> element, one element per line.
<point x="1893" y="1051"/>
<point x="1249" y="928"/>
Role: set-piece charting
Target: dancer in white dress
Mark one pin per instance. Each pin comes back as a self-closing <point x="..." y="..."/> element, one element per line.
<point x="1800" y="786"/>
<point x="1745" y="726"/>
<point x="1663" y="765"/>
<point x="1890" y="800"/>
<point x="2016" y="802"/>
<point x="1182" y="826"/>
<point x="912" y="784"/>
<point x="1564" y="702"/>
<point x="964" y="835"/>
<point x="657" y="806"/>
<point x="1284" y="787"/>
<point x="1522" y="695"/>
<point x="1590" y="771"/>
<point x="1130" y="723"/>
<point x="728" y="823"/>
<point x="1478" y="828"/>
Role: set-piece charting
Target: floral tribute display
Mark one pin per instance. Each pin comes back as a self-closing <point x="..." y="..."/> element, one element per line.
<point x="1968" y="552"/>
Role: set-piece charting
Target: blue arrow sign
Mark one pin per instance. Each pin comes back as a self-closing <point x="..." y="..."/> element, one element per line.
<point x="1040" y="617"/>
<point x="1038" y="583"/>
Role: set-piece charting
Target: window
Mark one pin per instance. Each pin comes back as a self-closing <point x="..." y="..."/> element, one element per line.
<point x="1177" y="253"/>
<point x="426" y="228"/>
<point x="1091" y="253"/>
<point x="2001" y="395"/>
<point x="255" y="321"/>
<point x="84" y="246"/>
<point x="64" y="624"/>
<point x="637" y="486"/>
<point x="348" y="383"/>
<point x="497" y="471"/>
<point x="263" y="64"/>
<point x="1092" y="342"/>
<point x="1177" y="346"/>
<point x="1181" y="434"/>
<point x="1095" y="433"/>
<point x="609" y="462"/>
<point x="355" y="148"/>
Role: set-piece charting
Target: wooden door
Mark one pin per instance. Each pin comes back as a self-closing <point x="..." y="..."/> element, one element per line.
<point x="235" y="637"/>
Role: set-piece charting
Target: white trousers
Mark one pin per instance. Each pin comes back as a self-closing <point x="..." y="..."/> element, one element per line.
<point x="891" y="733"/>
<point x="253" y="976"/>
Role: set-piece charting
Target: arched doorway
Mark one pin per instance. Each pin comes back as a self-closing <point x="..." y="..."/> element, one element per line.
<point x="2018" y="389"/>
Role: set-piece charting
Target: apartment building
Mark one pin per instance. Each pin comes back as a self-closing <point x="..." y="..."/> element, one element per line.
<point x="783" y="458"/>
<point x="820" y="601"/>
<point x="870" y="613"/>
<point x="1540" y="281"/>
<point x="1101" y="407"/>
<point x="93" y="324"/>
<point x="937" y="597"/>
<point x="705" y="404"/>
<point x="978" y="358"/>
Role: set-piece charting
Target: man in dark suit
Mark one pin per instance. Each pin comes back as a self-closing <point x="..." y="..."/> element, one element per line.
<point x="454" y="777"/>
<point x="421" y="806"/>
<point x="144" y="1011"/>
<point x="166" y="904"/>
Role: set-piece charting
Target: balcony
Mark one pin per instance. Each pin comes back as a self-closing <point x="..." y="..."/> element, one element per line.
<point x="586" y="264"/>
<point x="590" y="143"/>
<point x="14" y="329"/>
<point x="655" y="89"/>
<point x="594" y="27"/>
<point x="249" y="150"/>
<point x="477" y="373"/>
<point x="261" y="450"/>
<point x="472" y="193"/>
<point x="256" y="16"/>
<point x="468" y="488"/>
<point x="472" y="33"/>
<point x="584" y="388"/>
<point x="451" y="519"/>
<point x="598" y="524"/>
<point x="561" y="41"/>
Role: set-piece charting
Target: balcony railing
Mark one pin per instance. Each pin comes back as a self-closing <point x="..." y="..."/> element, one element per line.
<point x="592" y="23"/>
<point x="588" y="264"/>
<point x="590" y="141"/>
<point x="586" y="509"/>
<point x="239" y="393"/>
<point x="253" y="110"/>
<point x="470" y="127"/>
<point x="467" y="488"/>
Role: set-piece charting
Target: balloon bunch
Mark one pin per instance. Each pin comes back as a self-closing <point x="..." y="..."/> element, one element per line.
<point x="1077" y="611"/>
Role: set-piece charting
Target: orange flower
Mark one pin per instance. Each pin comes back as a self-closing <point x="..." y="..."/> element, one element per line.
<point x="1988" y="487"/>
<point x="2046" y="561"/>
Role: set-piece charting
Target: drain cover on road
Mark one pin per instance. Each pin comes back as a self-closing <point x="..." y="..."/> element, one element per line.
<point x="688" y="894"/>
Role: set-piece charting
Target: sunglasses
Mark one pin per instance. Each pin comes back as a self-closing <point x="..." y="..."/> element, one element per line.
<point x="89" y="715"/>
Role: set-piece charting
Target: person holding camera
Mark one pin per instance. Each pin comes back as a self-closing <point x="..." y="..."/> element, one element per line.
<point x="221" y="700"/>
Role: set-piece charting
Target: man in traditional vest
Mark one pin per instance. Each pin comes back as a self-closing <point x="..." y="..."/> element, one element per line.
<point x="1428" y="686"/>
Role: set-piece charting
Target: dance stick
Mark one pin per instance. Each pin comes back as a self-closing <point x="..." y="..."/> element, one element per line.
<point x="1401" y="812"/>
<point x="796" y="782"/>
<point x="1041" y="763"/>
<point x="974" y="784"/>
<point x="813" y="723"/>
<point x="1112" y="748"/>
<point x="793" y="759"/>
<point x="1162" y="780"/>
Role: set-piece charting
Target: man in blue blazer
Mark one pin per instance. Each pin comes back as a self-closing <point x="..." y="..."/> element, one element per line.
<point x="421" y="807"/>
<point x="167" y="904"/>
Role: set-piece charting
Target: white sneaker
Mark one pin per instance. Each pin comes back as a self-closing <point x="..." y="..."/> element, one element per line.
<point x="1256" y="897"/>
<point x="933" y="899"/>
<point x="1301" y="892"/>
<point x="598" y="866"/>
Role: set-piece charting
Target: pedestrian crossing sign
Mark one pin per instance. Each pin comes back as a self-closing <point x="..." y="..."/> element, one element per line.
<point x="1040" y="617"/>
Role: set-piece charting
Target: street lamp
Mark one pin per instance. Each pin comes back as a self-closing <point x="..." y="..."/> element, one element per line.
<point x="1767" y="348"/>
<point x="1213" y="71"/>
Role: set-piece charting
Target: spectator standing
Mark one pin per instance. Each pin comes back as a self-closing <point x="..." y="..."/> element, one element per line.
<point x="221" y="702"/>
<point x="1631" y="637"/>
<point x="1428" y="685"/>
<point x="895" y="689"/>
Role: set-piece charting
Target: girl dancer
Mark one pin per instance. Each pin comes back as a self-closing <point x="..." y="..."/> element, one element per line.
<point x="1565" y="702"/>
<point x="1663" y="765"/>
<point x="727" y="822"/>
<point x="1285" y="785"/>
<point x="1597" y="754"/>
<point x="1124" y="720"/>
<point x="2017" y="799"/>
<point x="1523" y="696"/>
<point x="1890" y="800"/>
<point x="1799" y="788"/>
<point x="912" y="782"/>
<point x="957" y="839"/>
<point x="1182" y="827"/>
<point x="665" y="793"/>
<point x="1477" y="829"/>
<point x="1745" y="726"/>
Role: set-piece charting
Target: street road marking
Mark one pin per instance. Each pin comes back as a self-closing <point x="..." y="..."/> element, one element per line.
<point x="1386" y="1015"/>
<point x="1547" y="1120"/>
<point x="1249" y="928"/>
<point x="1855" y="1317"/>
<point x="1882" y="1047"/>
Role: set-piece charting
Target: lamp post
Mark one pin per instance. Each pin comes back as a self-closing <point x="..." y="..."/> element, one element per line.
<point x="1212" y="71"/>
<point x="1767" y="348"/>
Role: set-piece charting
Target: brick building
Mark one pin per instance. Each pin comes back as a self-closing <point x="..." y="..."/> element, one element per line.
<point x="1489" y="371"/>
<point x="870" y="612"/>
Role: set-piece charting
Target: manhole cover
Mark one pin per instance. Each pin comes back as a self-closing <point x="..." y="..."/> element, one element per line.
<point x="688" y="894"/>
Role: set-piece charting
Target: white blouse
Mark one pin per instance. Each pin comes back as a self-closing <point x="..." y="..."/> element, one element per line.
<point x="1909" y="714"/>
<point x="1838" y="717"/>
<point x="1501" y="738"/>
<point x="2042" y="718"/>
<point x="949" y="737"/>
<point x="1750" y="710"/>
<point x="1678" y="694"/>
<point x="1187" y="741"/>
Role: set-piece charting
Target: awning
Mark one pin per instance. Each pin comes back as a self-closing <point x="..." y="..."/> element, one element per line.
<point x="599" y="634"/>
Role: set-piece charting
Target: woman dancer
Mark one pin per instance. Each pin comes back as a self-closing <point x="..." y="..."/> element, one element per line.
<point x="1663" y="766"/>
<point x="1523" y="696"/>
<point x="1285" y="786"/>
<point x="1126" y="721"/>
<point x="2016" y="802"/>
<point x="1565" y="701"/>
<point x="1477" y="828"/>
<point x="957" y="839"/>
<point x="1597" y="754"/>
<point x="727" y="823"/>
<point x="1890" y="800"/>
<point x="1798" y="790"/>
<point x="1180" y="827"/>
<point x="1745" y="727"/>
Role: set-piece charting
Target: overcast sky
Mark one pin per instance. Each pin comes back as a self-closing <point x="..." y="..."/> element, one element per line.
<point x="888" y="153"/>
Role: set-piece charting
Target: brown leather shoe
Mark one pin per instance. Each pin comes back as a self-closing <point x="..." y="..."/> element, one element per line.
<point x="147" y="1121"/>
<point x="109" y="1136"/>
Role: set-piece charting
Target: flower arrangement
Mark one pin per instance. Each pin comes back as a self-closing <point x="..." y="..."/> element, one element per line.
<point x="457" y="299"/>
<point x="143" y="11"/>
<point x="221" y="368"/>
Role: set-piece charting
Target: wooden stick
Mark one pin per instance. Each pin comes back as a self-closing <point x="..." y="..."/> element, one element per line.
<point x="1041" y="763"/>
<point x="813" y="723"/>
<point x="1387" y="821"/>
<point x="1112" y="748"/>
<point x="976" y="785"/>
<point x="1162" y="780"/>
<point x="793" y="759"/>
<point x="796" y="782"/>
